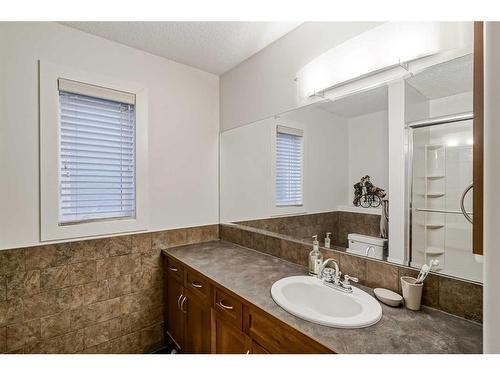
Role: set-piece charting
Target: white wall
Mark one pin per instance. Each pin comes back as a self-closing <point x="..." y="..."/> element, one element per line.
<point x="264" y="84"/>
<point x="326" y="161"/>
<point x="491" y="328"/>
<point x="368" y="150"/>
<point x="245" y="171"/>
<point x="183" y="126"/>
<point x="449" y="105"/>
<point x="247" y="162"/>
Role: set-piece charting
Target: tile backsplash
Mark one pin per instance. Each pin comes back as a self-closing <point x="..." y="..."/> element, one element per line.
<point x="339" y="223"/>
<point x="93" y="296"/>
<point x="457" y="297"/>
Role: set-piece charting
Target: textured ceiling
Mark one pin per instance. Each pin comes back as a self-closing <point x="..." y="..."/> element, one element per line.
<point x="446" y="79"/>
<point x="358" y="104"/>
<point x="215" y="47"/>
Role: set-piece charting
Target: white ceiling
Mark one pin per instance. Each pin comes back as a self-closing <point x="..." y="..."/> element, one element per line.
<point x="446" y="79"/>
<point x="365" y="102"/>
<point x="215" y="47"/>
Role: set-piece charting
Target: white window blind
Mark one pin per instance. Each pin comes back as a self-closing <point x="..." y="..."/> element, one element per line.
<point x="97" y="156"/>
<point x="288" y="166"/>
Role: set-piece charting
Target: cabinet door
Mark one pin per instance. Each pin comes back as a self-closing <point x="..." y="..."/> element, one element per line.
<point x="226" y="339"/>
<point x="174" y="316"/>
<point x="197" y="320"/>
<point x="257" y="349"/>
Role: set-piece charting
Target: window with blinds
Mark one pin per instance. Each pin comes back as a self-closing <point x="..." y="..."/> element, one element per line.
<point x="289" y="152"/>
<point x="96" y="154"/>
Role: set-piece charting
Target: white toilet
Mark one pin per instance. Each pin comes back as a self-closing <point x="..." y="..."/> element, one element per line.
<point x="373" y="247"/>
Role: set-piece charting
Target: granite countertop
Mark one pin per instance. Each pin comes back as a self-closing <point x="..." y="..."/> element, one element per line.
<point x="250" y="274"/>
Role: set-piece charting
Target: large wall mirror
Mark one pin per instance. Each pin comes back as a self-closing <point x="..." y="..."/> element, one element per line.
<point x="326" y="169"/>
<point x="296" y="170"/>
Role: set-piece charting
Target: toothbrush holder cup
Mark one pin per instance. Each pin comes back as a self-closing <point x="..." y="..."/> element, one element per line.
<point x="412" y="292"/>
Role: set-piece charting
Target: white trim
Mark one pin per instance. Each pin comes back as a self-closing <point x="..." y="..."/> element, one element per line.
<point x="491" y="261"/>
<point x="82" y="88"/>
<point x="287" y="130"/>
<point x="50" y="229"/>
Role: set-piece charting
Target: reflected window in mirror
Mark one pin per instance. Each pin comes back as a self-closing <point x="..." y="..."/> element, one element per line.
<point x="289" y="166"/>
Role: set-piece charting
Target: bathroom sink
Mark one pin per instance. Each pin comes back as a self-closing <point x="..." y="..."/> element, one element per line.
<point x="308" y="298"/>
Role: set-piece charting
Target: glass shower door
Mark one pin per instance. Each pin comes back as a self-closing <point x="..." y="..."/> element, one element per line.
<point x="441" y="172"/>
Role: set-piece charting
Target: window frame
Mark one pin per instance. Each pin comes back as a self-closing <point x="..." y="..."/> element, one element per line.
<point x="287" y="209"/>
<point x="50" y="227"/>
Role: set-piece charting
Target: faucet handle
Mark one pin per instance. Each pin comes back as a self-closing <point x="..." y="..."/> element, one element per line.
<point x="347" y="280"/>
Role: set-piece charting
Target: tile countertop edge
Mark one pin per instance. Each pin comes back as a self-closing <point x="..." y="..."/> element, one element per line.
<point x="399" y="331"/>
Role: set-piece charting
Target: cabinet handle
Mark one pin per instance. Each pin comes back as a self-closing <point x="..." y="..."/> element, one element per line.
<point x="197" y="284"/>
<point x="226" y="307"/>
<point x="173" y="268"/>
<point x="182" y="305"/>
<point x="179" y="301"/>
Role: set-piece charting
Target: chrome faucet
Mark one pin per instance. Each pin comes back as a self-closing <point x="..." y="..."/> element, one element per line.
<point x="325" y="263"/>
<point x="332" y="277"/>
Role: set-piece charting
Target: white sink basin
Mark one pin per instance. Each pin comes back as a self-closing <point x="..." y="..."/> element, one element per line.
<point x="308" y="298"/>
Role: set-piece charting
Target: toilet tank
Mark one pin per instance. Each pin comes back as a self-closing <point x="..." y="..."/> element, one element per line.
<point x="358" y="243"/>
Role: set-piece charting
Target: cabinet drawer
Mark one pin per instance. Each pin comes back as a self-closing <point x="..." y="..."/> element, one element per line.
<point x="174" y="269"/>
<point x="229" y="307"/>
<point x="277" y="337"/>
<point x="197" y="284"/>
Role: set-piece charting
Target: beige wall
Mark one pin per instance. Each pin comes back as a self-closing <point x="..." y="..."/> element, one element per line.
<point x="183" y="126"/>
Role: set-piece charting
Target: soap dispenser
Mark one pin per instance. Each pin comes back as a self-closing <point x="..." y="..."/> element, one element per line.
<point x="327" y="240"/>
<point x="315" y="258"/>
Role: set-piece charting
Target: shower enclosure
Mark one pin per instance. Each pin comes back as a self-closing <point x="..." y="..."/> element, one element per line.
<point x="439" y="168"/>
<point x="441" y="180"/>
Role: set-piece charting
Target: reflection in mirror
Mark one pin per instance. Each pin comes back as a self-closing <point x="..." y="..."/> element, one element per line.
<point x="440" y="161"/>
<point x="294" y="174"/>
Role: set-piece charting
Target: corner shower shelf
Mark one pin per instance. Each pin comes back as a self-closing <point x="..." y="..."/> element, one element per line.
<point x="431" y="250"/>
<point x="434" y="194"/>
<point x="436" y="176"/>
<point x="434" y="226"/>
<point x="433" y="146"/>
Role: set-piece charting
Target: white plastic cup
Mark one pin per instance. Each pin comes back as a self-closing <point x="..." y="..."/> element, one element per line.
<point x="412" y="293"/>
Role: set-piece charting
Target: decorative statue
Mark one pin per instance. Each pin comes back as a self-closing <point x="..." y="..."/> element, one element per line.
<point x="366" y="194"/>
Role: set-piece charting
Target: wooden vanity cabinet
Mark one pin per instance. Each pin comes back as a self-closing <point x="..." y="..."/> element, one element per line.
<point x="197" y="325"/>
<point x="187" y="313"/>
<point x="274" y="336"/>
<point x="226" y="338"/>
<point x="202" y="317"/>
<point x="173" y="293"/>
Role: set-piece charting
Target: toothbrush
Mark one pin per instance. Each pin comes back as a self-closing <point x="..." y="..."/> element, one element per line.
<point x="422" y="274"/>
<point x="424" y="271"/>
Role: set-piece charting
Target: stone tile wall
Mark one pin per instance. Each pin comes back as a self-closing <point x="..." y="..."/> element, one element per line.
<point x="303" y="227"/>
<point x="457" y="297"/>
<point x="94" y="296"/>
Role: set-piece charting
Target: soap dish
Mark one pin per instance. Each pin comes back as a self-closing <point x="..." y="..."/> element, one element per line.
<point x="388" y="296"/>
